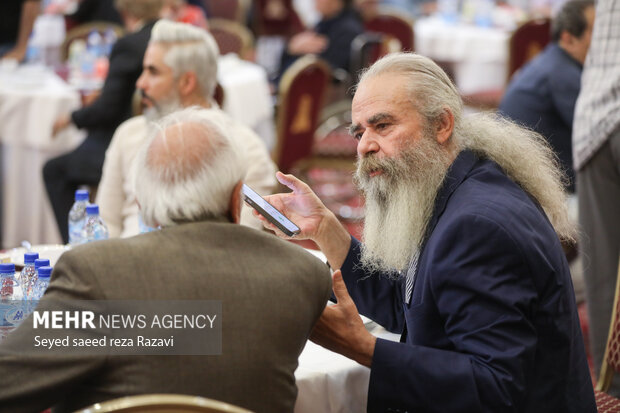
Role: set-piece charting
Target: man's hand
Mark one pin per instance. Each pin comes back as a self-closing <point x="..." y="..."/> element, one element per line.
<point x="301" y="206"/>
<point x="307" y="42"/>
<point x="61" y="123"/>
<point x="340" y="328"/>
<point x="315" y="221"/>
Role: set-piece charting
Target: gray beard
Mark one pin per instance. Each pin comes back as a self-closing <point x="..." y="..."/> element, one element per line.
<point x="399" y="203"/>
<point x="165" y="107"/>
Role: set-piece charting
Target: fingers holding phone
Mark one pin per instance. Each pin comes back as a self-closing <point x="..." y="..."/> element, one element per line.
<point x="301" y="206"/>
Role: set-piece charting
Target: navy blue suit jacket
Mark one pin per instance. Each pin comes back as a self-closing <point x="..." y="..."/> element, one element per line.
<point x="542" y="96"/>
<point x="492" y="325"/>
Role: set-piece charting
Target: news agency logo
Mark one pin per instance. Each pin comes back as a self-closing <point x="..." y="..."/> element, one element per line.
<point x="57" y="319"/>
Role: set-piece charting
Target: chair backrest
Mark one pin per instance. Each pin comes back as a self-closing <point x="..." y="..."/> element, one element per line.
<point x="227" y="9"/>
<point x="529" y="39"/>
<point x="611" y="360"/>
<point x="275" y="18"/>
<point x="301" y="96"/>
<point x="366" y="49"/>
<point x="163" y="403"/>
<point x="398" y="27"/>
<point x="83" y="30"/>
<point x="231" y="37"/>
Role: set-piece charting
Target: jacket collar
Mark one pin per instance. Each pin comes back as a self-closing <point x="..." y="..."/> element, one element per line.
<point x="456" y="174"/>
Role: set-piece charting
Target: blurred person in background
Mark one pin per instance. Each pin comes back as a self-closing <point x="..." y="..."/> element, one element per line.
<point x="596" y="155"/>
<point x="542" y="95"/>
<point x="16" y="21"/>
<point x="64" y="174"/>
<point x="330" y="39"/>
<point x="182" y="12"/>
<point x="179" y="70"/>
<point x="200" y="254"/>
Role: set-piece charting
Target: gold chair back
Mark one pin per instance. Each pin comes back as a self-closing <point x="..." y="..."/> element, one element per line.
<point x="232" y="37"/>
<point x="163" y="403"/>
<point x="301" y="96"/>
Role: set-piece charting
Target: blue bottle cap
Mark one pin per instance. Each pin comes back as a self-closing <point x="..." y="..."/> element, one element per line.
<point x="8" y="268"/>
<point x="45" y="271"/>
<point x="29" y="257"/>
<point x="41" y="262"/>
<point x="92" y="209"/>
<point x="81" y="195"/>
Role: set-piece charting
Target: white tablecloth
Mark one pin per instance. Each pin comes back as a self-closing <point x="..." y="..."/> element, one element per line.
<point x="478" y="55"/>
<point x="30" y="101"/>
<point x="246" y="95"/>
<point x="330" y="383"/>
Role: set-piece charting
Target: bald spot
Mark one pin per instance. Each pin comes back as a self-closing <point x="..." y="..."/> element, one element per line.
<point x="180" y="151"/>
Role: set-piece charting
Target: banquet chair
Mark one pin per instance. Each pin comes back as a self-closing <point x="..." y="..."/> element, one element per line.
<point x="83" y="30"/>
<point x="275" y="18"/>
<point x="301" y="94"/>
<point x="235" y="10"/>
<point x="366" y="49"/>
<point x="329" y="170"/>
<point x="395" y="26"/>
<point x="163" y="403"/>
<point x="529" y="39"/>
<point x="232" y="37"/>
<point x="611" y="359"/>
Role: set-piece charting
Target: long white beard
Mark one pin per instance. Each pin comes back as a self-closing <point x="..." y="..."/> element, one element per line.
<point x="399" y="202"/>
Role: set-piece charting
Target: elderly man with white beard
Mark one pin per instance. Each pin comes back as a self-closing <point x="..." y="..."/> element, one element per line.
<point x="462" y="254"/>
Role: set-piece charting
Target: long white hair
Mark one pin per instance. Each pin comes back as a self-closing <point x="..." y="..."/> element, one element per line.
<point x="523" y="154"/>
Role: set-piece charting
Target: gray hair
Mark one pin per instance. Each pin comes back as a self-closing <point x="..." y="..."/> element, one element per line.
<point x="190" y="49"/>
<point x="140" y="9"/>
<point x="571" y="18"/>
<point x="188" y="168"/>
<point x="523" y="154"/>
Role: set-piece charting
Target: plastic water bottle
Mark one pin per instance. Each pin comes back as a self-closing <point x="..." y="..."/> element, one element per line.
<point x="94" y="228"/>
<point x="42" y="282"/>
<point x="484" y="13"/>
<point x="109" y="38"/>
<point x="8" y="282"/>
<point x="94" y="43"/>
<point x="448" y="10"/>
<point x="77" y="217"/>
<point x="33" y="51"/>
<point x="10" y="315"/>
<point x="28" y="275"/>
<point x="40" y="262"/>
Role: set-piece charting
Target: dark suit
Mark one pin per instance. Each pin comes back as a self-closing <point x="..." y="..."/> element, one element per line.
<point x="340" y="31"/>
<point x="272" y="293"/>
<point x="64" y="174"/>
<point x="492" y="325"/>
<point x="542" y="97"/>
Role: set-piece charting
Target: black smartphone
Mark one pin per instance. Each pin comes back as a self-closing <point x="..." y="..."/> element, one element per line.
<point x="268" y="211"/>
